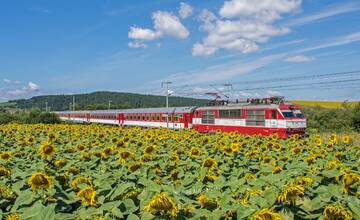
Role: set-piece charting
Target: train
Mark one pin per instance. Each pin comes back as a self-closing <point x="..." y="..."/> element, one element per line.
<point x="265" y="117"/>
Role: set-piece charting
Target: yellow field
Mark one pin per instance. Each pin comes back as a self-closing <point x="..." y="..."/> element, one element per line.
<point x="324" y="104"/>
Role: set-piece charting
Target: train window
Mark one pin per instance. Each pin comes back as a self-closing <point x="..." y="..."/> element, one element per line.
<point x="298" y="113"/>
<point x="157" y="117"/>
<point x="143" y="117"/>
<point x="152" y="117"/>
<point x="138" y="117"/>
<point x="232" y="113"/>
<point x="169" y="118"/>
<point x="273" y="114"/>
<point x="207" y="117"/>
<point x="147" y="117"/>
<point x="255" y="117"/>
<point x="176" y="118"/>
<point x="288" y="113"/>
<point x="163" y="118"/>
<point x="181" y="115"/>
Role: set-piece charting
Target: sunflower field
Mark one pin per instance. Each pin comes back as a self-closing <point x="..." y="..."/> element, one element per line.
<point x="99" y="172"/>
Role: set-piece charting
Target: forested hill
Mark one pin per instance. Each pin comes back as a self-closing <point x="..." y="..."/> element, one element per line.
<point x="100" y="100"/>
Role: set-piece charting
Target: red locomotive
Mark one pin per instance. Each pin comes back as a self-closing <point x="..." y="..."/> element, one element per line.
<point x="252" y="117"/>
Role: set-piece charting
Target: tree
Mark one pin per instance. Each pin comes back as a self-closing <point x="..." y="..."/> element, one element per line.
<point x="356" y="117"/>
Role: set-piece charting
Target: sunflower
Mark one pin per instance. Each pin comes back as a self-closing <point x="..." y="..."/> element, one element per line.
<point x="296" y="150"/>
<point x="5" y="155"/>
<point x="7" y="193"/>
<point x="46" y="149"/>
<point x="125" y="155"/>
<point x="346" y="139"/>
<point x="87" y="196"/>
<point x="235" y="147"/>
<point x="336" y="212"/>
<point x="266" y="214"/>
<point x="206" y="202"/>
<point x="12" y="217"/>
<point x="291" y="193"/>
<point x="209" y="163"/>
<point x="135" y="166"/>
<point x="332" y="164"/>
<point x="81" y="180"/>
<point x="149" y="149"/>
<point x="318" y="141"/>
<point x="60" y="163"/>
<point x="277" y="169"/>
<point x="349" y="179"/>
<point x="303" y="181"/>
<point x="39" y="181"/>
<point x="73" y="170"/>
<point x="333" y="138"/>
<point x="310" y="160"/>
<point x="194" y="152"/>
<point x="163" y="204"/>
<point x="106" y="152"/>
<point x="4" y="172"/>
<point x="227" y="150"/>
<point x="80" y="147"/>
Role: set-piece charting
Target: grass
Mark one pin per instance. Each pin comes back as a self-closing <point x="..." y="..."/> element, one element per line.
<point x="324" y="104"/>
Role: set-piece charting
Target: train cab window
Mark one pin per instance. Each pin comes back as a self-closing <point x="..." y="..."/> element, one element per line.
<point x="207" y="117"/>
<point x="288" y="113"/>
<point x="255" y="117"/>
<point x="273" y="114"/>
<point x="298" y="113"/>
<point x="176" y="118"/>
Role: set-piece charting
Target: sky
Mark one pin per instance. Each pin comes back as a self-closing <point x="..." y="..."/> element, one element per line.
<point x="300" y="49"/>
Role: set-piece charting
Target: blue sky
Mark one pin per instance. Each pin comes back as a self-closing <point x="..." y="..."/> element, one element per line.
<point x="62" y="47"/>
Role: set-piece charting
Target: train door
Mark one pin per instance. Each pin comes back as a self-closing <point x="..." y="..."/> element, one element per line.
<point x="121" y="119"/>
<point x="87" y="117"/>
<point x="273" y="117"/>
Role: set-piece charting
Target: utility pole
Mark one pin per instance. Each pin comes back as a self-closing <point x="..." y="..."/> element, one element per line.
<point x="167" y="83"/>
<point x="46" y="106"/>
<point x="110" y="104"/>
<point x="73" y="103"/>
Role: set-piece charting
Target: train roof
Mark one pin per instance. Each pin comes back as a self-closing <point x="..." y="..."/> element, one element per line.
<point x="137" y="110"/>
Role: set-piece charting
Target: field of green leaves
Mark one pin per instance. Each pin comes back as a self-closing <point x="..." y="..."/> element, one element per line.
<point x="97" y="172"/>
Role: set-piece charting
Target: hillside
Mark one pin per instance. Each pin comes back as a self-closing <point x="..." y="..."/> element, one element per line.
<point x="100" y="100"/>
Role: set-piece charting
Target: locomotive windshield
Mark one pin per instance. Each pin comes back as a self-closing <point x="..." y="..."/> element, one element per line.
<point x="298" y="113"/>
<point x="288" y="113"/>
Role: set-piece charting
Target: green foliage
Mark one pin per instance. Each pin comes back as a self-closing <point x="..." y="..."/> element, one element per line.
<point x="356" y="117"/>
<point x="329" y="119"/>
<point x="100" y="100"/>
<point x="35" y="116"/>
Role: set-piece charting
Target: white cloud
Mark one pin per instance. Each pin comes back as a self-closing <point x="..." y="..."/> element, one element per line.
<point x="8" y="81"/>
<point x="142" y="34"/>
<point x="264" y="10"/>
<point x="19" y="92"/>
<point x="338" y="41"/>
<point x="185" y="10"/>
<point x="299" y="59"/>
<point x="165" y="24"/>
<point x="168" y="24"/>
<point x="329" y="12"/>
<point x="202" y="50"/>
<point x="244" y="25"/>
<point x="137" y="44"/>
<point x="32" y="87"/>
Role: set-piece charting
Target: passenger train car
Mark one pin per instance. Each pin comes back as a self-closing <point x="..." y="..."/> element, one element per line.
<point x="253" y="117"/>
